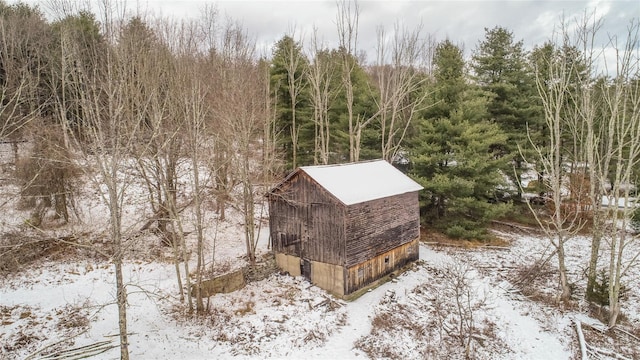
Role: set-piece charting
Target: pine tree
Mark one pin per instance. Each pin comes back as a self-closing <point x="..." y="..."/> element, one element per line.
<point x="500" y="68"/>
<point x="454" y="155"/>
<point x="290" y="89"/>
<point x="364" y="109"/>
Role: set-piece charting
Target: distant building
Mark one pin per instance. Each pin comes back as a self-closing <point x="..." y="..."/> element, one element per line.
<point x="345" y="226"/>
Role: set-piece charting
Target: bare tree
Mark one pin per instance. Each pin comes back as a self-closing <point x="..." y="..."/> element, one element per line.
<point x="191" y="95"/>
<point x="272" y="163"/>
<point x="622" y="101"/>
<point x="155" y="99"/>
<point x="320" y="74"/>
<point x="223" y="152"/>
<point x="605" y="138"/>
<point x="458" y="305"/>
<point x="109" y="133"/>
<point x="241" y="109"/>
<point x="295" y="66"/>
<point x="24" y="39"/>
<point x="599" y="117"/>
<point x="554" y="87"/>
<point x="598" y="142"/>
<point x="105" y="138"/>
<point x="401" y="77"/>
<point x="195" y="113"/>
<point x="347" y="24"/>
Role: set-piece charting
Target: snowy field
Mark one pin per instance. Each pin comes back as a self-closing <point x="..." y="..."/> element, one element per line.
<point x="65" y="304"/>
<point x="455" y="303"/>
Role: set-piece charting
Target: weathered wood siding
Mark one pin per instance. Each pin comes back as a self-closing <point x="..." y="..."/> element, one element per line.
<point x="307" y="222"/>
<point x="344" y="247"/>
<point x="379" y="266"/>
<point x="378" y="226"/>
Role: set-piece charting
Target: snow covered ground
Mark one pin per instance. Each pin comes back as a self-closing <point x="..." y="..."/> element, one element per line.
<point x="64" y="304"/>
<point x="66" y="301"/>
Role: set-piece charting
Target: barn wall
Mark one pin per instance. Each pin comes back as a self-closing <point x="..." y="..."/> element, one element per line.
<point x="378" y="226"/>
<point x="288" y="263"/>
<point x="307" y="222"/>
<point x="369" y="271"/>
<point x="329" y="277"/>
<point x="326" y="276"/>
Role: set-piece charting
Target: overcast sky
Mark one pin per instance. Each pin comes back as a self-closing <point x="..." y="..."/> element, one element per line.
<point x="463" y="22"/>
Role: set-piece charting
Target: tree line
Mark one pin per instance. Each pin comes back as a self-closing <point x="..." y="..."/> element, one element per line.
<point x="123" y="100"/>
<point x="161" y="93"/>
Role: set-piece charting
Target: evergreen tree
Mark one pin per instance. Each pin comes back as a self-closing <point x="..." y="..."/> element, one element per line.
<point x="364" y="108"/>
<point x="449" y="75"/>
<point x="290" y="89"/>
<point x="500" y="68"/>
<point x="454" y="155"/>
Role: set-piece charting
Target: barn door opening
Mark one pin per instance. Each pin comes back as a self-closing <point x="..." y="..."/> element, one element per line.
<point x="305" y="269"/>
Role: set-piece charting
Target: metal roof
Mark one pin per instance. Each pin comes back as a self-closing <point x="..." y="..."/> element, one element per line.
<point x="359" y="182"/>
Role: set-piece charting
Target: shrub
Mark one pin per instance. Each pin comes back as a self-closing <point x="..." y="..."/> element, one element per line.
<point x="46" y="175"/>
<point x="600" y="295"/>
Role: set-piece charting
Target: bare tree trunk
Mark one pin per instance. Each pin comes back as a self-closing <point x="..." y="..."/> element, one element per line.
<point x="121" y="296"/>
<point x="401" y="85"/>
<point x="106" y="139"/>
<point x="565" y="294"/>
<point x="199" y="233"/>
<point x="319" y="75"/>
<point x="195" y="117"/>
<point x="176" y="266"/>
<point x="295" y="83"/>
<point x="248" y="209"/>
<point x="242" y="111"/>
<point x="622" y="102"/>
<point x="562" y="224"/>
<point x="116" y="235"/>
<point x="597" y="149"/>
<point x="269" y="134"/>
<point x="347" y="23"/>
<point x="180" y="237"/>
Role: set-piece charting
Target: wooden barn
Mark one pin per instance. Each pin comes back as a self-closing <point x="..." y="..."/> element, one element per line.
<point x="344" y="226"/>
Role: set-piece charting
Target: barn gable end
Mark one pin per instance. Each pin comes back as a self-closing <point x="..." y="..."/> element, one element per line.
<point x="344" y="226"/>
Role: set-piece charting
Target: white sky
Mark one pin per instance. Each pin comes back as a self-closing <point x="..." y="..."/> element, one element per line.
<point x="463" y="22"/>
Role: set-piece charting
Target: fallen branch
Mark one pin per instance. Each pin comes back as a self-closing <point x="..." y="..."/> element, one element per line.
<point x="626" y="333"/>
<point x="601" y="329"/>
<point x="76" y="353"/>
<point x="495" y="247"/>
<point x="33" y="355"/>
<point x="583" y="343"/>
<point x="516" y="226"/>
<point x="82" y="352"/>
<point x="161" y="215"/>
<point x="466" y="246"/>
<point x="607" y="353"/>
<point x="321" y="303"/>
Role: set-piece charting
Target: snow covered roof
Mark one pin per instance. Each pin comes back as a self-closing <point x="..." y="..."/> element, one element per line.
<point x="363" y="181"/>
